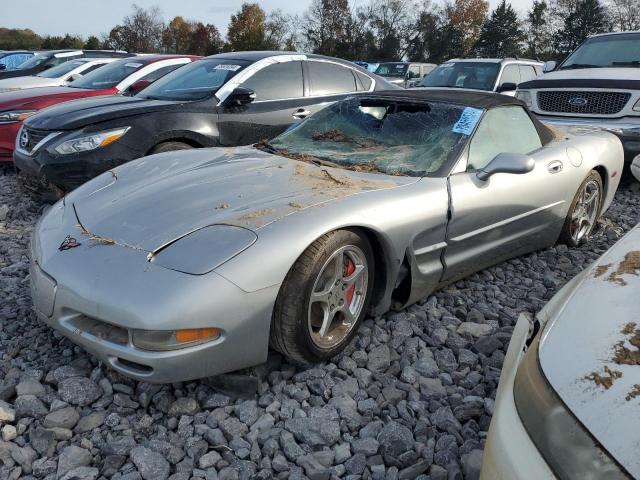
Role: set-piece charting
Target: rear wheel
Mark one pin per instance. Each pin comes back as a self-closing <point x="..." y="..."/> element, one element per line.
<point x="170" y="146"/>
<point x="584" y="210"/>
<point x="323" y="298"/>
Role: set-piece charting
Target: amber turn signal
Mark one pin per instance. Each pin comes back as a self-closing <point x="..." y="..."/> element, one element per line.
<point x="196" y="334"/>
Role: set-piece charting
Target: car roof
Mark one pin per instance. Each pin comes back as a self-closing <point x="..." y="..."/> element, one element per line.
<point x="494" y="60"/>
<point x="149" y="59"/>
<point x="254" y="56"/>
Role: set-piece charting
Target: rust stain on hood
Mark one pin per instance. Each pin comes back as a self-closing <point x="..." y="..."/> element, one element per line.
<point x="629" y="266"/>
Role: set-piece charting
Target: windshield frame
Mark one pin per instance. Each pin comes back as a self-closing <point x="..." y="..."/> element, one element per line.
<point x="565" y="65"/>
<point x="446" y="168"/>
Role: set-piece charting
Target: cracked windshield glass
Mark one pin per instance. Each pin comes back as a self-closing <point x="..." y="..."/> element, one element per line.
<point x="385" y="136"/>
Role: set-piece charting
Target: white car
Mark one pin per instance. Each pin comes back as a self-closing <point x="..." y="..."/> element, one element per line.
<point x="56" y="76"/>
<point x="569" y="394"/>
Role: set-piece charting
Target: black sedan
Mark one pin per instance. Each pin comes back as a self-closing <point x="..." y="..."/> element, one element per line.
<point x="229" y="99"/>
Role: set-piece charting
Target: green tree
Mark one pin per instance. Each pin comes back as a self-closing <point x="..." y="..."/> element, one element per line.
<point x="326" y="27"/>
<point x="93" y="43"/>
<point x="205" y="40"/>
<point x="587" y="18"/>
<point x="538" y="38"/>
<point x="18" y="39"/>
<point x="177" y="36"/>
<point x="57" y="42"/>
<point x="501" y="34"/>
<point x="246" y="28"/>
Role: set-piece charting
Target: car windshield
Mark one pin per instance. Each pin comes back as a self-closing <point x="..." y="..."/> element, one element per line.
<point x="61" y="70"/>
<point x="197" y="81"/>
<point x="474" y="75"/>
<point x="108" y="76"/>
<point x="621" y="50"/>
<point x="35" y="61"/>
<point x="397" y="70"/>
<point x="379" y="135"/>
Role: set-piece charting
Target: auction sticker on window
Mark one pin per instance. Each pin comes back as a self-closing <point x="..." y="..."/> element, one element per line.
<point x="467" y="121"/>
<point x="232" y="68"/>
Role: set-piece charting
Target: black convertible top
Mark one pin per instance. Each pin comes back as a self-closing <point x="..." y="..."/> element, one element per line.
<point x="476" y="99"/>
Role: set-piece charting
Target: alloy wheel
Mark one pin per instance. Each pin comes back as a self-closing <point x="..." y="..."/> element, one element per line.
<point x="585" y="211"/>
<point x="338" y="296"/>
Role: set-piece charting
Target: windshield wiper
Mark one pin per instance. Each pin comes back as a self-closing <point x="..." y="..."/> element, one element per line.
<point x="579" y="65"/>
<point x="633" y="63"/>
<point x="266" y="146"/>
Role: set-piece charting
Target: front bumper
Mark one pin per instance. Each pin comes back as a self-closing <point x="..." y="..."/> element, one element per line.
<point x="117" y="287"/>
<point x="68" y="172"/>
<point x="626" y="128"/>
<point x="509" y="453"/>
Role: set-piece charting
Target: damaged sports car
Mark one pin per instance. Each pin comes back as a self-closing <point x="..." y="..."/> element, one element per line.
<point x="188" y="264"/>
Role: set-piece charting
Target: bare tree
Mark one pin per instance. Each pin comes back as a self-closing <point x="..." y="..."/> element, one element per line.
<point x="626" y="14"/>
<point x="140" y="32"/>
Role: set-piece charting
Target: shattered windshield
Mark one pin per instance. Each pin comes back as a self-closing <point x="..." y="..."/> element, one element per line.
<point x="379" y="135"/>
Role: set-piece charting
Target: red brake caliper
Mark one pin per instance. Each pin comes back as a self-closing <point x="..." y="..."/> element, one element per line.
<point x="349" y="269"/>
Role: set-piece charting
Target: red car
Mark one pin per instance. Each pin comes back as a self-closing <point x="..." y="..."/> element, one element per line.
<point x="126" y="76"/>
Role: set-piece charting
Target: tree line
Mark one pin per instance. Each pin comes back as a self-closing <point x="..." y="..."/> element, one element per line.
<point x="379" y="30"/>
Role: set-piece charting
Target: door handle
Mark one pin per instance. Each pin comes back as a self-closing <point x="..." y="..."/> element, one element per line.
<point x="301" y="113"/>
<point x="554" y="167"/>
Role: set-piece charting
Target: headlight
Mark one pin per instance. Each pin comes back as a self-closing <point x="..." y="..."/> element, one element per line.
<point x="563" y="442"/>
<point x="203" y="250"/>
<point x="524" y="96"/>
<point x="90" y="142"/>
<point x="636" y="107"/>
<point x="161" y="340"/>
<point x="15" y="116"/>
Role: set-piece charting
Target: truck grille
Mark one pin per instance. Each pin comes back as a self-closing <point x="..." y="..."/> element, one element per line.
<point x="34" y="136"/>
<point x="594" y="103"/>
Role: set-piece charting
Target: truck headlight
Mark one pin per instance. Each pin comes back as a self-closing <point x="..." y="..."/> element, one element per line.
<point x="92" y="141"/>
<point x="205" y="249"/>
<point x="525" y="97"/>
<point x="636" y="107"/>
<point x="15" y="116"/>
<point x="561" y="439"/>
<point x="163" y="340"/>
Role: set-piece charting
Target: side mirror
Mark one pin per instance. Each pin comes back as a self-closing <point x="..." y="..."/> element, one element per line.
<point x="507" y="163"/>
<point x="137" y="86"/>
<point x="507" y="87"/>
<point x="240" y="97"/>
<point x="3" y="66"/>
<point x="549" y="66"/>
<point x="74" y="77"/>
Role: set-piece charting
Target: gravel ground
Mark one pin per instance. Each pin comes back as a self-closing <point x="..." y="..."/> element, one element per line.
<point x="411" y="398"/>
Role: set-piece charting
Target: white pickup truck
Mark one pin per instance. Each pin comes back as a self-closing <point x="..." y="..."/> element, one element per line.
<point x="598" y="85"/>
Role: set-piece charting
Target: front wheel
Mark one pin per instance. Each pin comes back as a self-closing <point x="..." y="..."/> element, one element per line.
<point x="170" y="147"/>
<point x="323" y="298"/>
<point x="584" y="211"/>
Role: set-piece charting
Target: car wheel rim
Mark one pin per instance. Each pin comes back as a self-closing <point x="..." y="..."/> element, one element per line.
<point x="338" y="297"/>
<point x="585" y="211"/>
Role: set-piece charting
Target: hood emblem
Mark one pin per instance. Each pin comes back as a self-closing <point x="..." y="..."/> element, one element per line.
<point x="578" y="101"/>
<point x="69" y="243"/>
<point x="24" y="138"/>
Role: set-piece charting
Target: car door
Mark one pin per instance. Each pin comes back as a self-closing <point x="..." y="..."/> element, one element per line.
<point x="329" y="82"/>
<point x="507" y="214"/>
<point x="510" y="74"/>
<point x="279" y="102"/>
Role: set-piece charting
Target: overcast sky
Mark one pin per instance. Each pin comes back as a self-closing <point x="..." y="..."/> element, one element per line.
<point x="94" y="17"/>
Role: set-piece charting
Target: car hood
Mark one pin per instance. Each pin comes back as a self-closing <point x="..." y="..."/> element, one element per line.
<point x="599" y="328"/>
<point x="28" y="96"/>
<point x="32" y="81"/>
<point x="587" y="78"/>
<point x="71" y="116"/>
<point x="155" y="200"/>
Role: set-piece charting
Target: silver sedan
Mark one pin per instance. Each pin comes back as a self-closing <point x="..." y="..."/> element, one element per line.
<point x="189" y="264"/>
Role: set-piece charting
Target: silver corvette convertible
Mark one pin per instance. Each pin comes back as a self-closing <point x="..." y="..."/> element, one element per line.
<point x="189" y="264"/>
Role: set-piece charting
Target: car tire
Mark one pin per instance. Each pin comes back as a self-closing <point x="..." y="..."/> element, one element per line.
<point x="584" y="211"/>
<point x="315" y="293"/>
<point x="170" y="147"/>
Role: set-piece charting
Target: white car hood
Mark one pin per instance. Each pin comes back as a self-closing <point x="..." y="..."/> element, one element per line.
<point x="592" y="332"/>
<point x="593" y="73"/>
<point x="19" y="83"/>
